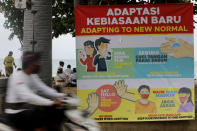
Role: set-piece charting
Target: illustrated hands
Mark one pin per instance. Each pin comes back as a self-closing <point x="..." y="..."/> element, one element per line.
<point x="93" y="102"/>
<point x="121" y="90"/>
<point x="177" y="50"/>
<point x="106" y="48"/>
<point x="101" y="56"/>
<point x="80" y="55"/>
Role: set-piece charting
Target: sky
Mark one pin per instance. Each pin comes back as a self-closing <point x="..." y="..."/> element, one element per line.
<point x="62" y="47"/>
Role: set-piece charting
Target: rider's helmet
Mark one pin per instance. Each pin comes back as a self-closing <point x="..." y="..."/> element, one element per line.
<point x="30" y="58"/>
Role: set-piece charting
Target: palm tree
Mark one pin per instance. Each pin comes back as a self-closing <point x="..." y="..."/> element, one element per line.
<point x="38" y="28"/>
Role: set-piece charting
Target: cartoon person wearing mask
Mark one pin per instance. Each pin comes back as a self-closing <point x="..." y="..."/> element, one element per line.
<point x="143" y="105"/>
<point x="90" y="53"/>
<point x="185" y="97"/>
<point x="101" y="45"/>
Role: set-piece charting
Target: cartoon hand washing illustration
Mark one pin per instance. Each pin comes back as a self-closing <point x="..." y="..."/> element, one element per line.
<point x="177" y="48"/>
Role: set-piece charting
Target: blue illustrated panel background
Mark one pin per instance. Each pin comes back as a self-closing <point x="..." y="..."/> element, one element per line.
<point x="172" y="68"/>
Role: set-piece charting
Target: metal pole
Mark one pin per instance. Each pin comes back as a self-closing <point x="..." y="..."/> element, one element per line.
<point x="33" y="33"/>
<point x="33" y="42"/>
<point x="3" y="87"/>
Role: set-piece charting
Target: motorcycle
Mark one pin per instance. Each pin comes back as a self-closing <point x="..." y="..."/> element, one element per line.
<point x="74" y="119"/>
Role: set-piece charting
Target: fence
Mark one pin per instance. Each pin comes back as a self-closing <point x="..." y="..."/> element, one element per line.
<point x="3" y="85"/>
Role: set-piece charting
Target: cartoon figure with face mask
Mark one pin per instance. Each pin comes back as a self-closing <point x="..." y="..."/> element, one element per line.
<point x="143" y="105"/>
<point x="90" y="53"/>
<point x="185" y="97"/>
<point x="101" y="45"/>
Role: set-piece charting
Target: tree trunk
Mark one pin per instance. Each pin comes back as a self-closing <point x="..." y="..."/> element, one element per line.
<point x="42" y="35"/>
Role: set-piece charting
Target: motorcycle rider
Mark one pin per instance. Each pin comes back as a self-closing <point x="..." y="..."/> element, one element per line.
<point x="29" y="102"/>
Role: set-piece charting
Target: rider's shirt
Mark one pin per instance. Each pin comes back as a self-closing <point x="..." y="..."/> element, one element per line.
<point x="25" y="88"/>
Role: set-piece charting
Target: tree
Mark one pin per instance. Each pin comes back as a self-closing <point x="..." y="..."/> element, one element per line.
<point x="62" y="18"/>
<point x="14" y="19"/>
<point x="40" y="35"/>
<point x="63" y="14"/>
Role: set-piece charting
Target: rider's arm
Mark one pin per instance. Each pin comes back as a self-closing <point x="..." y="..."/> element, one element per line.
<point x="25" y="94"/>
<point x="43" y="89"/>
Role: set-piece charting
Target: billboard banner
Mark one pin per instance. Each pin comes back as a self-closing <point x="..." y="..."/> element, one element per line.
<point x="136" y="62"/>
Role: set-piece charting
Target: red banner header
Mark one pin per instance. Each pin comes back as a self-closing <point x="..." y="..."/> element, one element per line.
<point x="134" y="19"/>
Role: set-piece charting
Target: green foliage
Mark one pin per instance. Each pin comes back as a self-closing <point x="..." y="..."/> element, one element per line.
<point x="62" y="17"/>
<point x="62" y="14"/>
<point x="14" y="19"/>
